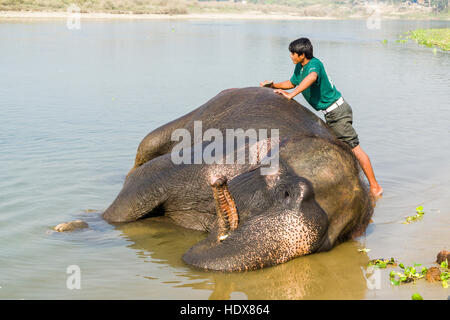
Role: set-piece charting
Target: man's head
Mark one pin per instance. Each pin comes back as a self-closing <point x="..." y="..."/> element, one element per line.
<point x="301" y="49"/>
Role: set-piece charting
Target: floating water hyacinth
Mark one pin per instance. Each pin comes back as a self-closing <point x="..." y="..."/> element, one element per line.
<point x="432" y="37"/>
<point x="409" y="274"/>
<point x="428" y="37"/>
<point x="445" y="275"/>
<point x="382" y="263"/>
<point x="417" y="217"/>
<point x="416" y="296"/>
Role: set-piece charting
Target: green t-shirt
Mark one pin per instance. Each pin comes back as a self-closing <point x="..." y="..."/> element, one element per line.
<point x="322" y="93"/>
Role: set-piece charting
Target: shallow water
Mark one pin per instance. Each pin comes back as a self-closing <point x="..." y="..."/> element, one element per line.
<point x="76" y="103"/>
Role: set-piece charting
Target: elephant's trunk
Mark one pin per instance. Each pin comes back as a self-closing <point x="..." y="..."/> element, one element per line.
<point x="264" y="239"/>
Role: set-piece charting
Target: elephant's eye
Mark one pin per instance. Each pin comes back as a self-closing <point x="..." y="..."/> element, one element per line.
<point x="286" y="194"/>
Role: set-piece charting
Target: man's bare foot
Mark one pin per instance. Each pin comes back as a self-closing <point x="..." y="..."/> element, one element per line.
<point x="377" y="192"/>
<point x="69" y="226"/>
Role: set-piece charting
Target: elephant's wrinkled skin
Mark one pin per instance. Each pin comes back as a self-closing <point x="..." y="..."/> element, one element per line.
<point x="315" y="199"/>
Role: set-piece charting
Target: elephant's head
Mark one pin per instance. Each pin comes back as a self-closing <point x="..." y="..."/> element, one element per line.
<point x="269" y="219"/>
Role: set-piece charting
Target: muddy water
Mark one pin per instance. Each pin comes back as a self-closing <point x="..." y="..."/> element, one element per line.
<point x="76" y="103"/>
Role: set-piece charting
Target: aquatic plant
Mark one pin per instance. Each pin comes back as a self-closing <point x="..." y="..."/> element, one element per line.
<point x="418" y="216"/>
<point x="382" y="263"/>
<point x="409" y="274"/>
<point x="445" y="275"/>
<point x="416" y="296"/>
<point x="432" y="37"/>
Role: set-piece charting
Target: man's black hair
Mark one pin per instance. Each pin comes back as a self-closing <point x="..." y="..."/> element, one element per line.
<point x="302" y="46"/>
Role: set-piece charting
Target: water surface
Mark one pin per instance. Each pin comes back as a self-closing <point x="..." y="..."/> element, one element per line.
<point x="76" y="103"/>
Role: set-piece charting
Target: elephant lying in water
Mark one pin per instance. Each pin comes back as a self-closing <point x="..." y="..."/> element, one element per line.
<point x="311" y="201"/>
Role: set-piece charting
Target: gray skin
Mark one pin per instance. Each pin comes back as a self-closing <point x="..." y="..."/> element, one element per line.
<point x="315" y="200"/>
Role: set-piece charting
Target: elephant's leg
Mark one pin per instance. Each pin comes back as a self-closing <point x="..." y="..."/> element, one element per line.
<point x="160" y="187"/>
<point x="144" y="191"/>
<point x="158" y="142"/>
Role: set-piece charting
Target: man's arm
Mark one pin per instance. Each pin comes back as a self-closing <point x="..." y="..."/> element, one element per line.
<point x="305" y="84"/>
<point x="280" y="85"/>
<point x="283" y="85"/>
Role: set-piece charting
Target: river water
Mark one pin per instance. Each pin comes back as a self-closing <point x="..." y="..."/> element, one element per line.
<point x="76" y="103"/>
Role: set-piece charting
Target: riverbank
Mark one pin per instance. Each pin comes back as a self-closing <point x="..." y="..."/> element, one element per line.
<point x="104" y="15"/>
<point x="188" y="9"/>
<point x="201" y="15"/>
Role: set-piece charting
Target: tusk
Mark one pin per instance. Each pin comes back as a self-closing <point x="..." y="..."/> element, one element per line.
<point x="227" y="215"/>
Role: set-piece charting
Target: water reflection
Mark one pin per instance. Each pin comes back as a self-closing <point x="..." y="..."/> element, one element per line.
<point x="331" y="275"/>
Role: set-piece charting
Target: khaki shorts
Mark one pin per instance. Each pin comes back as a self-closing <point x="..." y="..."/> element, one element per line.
<point x="340" y="121"/>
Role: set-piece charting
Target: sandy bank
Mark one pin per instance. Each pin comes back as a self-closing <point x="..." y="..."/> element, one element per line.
<point x="208" y="16"/>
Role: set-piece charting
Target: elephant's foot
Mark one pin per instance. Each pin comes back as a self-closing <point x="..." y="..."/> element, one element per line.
<point x="70" y="226"/>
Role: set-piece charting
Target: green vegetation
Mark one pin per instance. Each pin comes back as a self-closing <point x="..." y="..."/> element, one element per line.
<point x="432" y="37"/>
<point x="382" y="263"/>
<point x="107" y="6"/>
<point x="439" y="5"/>
<point x="417" y="217"/>
<point x="411" y="274"/>
<point x="317" y="8"/>
<point x="416" y="296"/>
<point x="445" y="275"/>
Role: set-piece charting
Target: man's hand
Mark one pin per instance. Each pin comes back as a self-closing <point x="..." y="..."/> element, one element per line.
<point x="266" y="83"/>
<point x="288" y="95"/>
<point x="305" y="84"/>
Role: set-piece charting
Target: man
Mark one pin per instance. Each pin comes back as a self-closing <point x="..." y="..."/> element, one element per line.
<point x="311" y="80"/>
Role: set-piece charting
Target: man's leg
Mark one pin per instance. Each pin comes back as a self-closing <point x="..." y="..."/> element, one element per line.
<point x="364" y="161"/>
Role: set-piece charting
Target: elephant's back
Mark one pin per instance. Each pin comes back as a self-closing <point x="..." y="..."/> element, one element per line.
<point x="258" y="108"/>
<point x="244" y="108"/>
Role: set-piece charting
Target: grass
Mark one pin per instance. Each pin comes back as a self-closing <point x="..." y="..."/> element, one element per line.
<point x="107" y="6"/>
<point x="432" y="37"/>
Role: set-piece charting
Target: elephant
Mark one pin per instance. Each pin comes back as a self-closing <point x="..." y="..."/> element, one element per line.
<point x="312" y="199"/>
